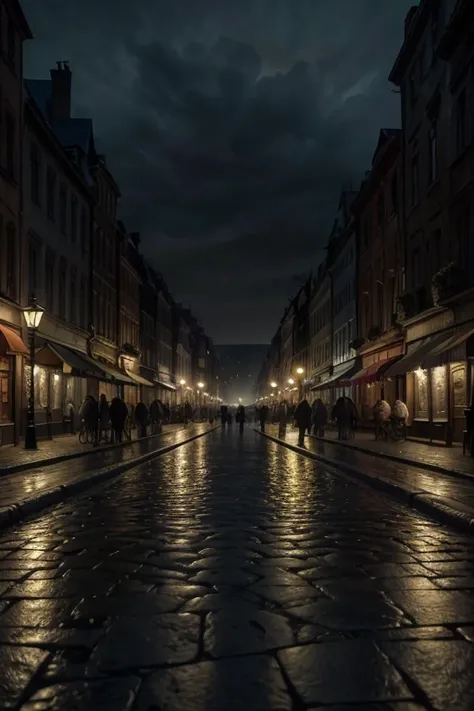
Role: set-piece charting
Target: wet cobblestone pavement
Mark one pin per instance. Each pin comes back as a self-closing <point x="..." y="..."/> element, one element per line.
<point x="18" y="486"/>
<point x="233" y="574"/>
<point x="451" y="487"/>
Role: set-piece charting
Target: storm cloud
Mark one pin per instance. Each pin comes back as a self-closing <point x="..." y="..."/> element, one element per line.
<point x="231" y="129"/>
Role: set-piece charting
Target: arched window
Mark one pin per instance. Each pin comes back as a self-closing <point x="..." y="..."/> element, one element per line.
<point x="10" y="261"/>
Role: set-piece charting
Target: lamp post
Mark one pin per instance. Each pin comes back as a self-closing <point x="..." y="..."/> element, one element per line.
<point x="33" y="315"/>
<point x="273" y="386"/>
<point x="200" y="387"/>
<point x="300" y="373"/>
<point x="182" y="382"/>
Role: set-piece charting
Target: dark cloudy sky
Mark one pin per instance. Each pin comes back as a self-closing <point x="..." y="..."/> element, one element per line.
<point x="231" y="126"/>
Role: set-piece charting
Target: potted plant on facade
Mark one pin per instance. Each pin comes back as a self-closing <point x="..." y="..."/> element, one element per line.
<point x="447" y="282"/>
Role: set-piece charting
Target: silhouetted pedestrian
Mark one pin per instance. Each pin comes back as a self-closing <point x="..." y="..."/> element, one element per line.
<point x="118" y="416"/>
<point x="141" y="418"/>
<point x="303" y="420"/>
<point x="240" y="417"/>
<point x="263" y="417"/>
<point x="319" y="417"/>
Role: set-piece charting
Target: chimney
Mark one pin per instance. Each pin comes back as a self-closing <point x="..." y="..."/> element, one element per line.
<point x="60" y="92"/>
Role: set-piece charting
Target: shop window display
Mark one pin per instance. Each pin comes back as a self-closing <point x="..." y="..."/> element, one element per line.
<point x="421" y="395"/>
<point x="5" y="391"/>
<point x="439" y="393"/>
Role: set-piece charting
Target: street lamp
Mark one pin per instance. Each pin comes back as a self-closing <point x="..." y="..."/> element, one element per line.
<point x="300" y="373"/>
<point x="200" y="386"/>
<point x="291" y="381"/>
<point x="33" y="315"/>
<point x="182" y="382"/>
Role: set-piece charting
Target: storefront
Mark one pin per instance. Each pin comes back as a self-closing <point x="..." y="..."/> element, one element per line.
<point x="12" y="353"/>
<point x="63" y="378"/>
<point x="437" y="373"/>
<point x="373" y="382"/>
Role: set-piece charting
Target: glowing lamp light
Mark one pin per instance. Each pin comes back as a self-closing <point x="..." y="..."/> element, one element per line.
<point x="273" y="384"/>
<point x="291" y="381"/>
<point x="300" y="371"/>
<point x="182" y="382"/>
<point x="200" y="385"/>
<point x="33" y="315"/>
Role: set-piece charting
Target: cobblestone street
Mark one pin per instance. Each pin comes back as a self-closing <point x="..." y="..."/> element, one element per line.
<point x="235" y="574"/>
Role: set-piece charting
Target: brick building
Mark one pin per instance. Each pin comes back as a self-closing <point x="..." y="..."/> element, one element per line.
<point x="380" y="273"/>
<point x="434" y="71"/>
<point x="14" y="30"/>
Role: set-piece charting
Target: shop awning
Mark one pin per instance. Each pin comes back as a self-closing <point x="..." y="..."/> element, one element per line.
<point x="59" y="356"/>
<point x="109" y="373"/>
<point x="372" y="373"/>
<point x="416" y="352"/>
<point x="138" y="379"/>
<point x="11" y="343"/>
<point x="443" y="353"/>
<point x="335" y="379"/>
<point x="168" y="386"/>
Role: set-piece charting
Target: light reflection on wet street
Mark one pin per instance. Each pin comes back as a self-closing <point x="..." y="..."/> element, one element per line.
<point x="231" y="574"/>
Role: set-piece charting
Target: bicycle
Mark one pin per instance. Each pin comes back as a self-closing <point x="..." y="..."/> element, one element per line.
<point x="86" y="435"/>
<point x="393" y="428"/>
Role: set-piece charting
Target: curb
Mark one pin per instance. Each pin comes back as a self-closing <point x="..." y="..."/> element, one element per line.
<point x="446" y="511"/>
<point x="14" y="513"/>
<point x="396" y="458"/>
<point x="37" y="463"/>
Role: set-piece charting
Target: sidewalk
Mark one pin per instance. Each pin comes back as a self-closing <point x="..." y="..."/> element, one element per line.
<point x="61" y="448"/>
<point x="435" y="457"/>
<point x="443" y="496"/>
<point x="32" y="490"/>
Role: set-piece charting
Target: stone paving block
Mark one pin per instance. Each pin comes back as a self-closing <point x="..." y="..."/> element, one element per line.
<point x="148" y="642"/>
<point x="244" y="683"/>
<point x="222" y="601"/>
<point x="284" y="595"/>
<point x="406" y="633"/>
<point x="18" y="666"/>
<point x="37" y="613"/>
<point x="458" y="583"/>
<point x="442" y="669"/>
<point x="233" y="632"/>
<point x="49" y="638"/>
<point x="343" y="672"/>
<point x="128" y="606"/>
<point x="346" y="615"/>
<point x="435" y="607"/>
<point x="106" y="695"/>
<point x="223" y="576"/>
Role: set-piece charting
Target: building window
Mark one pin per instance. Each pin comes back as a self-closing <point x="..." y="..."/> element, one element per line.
<point x="433" y="153"/>
<point x="63" y="208"/>
<point x="412" y="90"/>
<point x="32" y="270"/>
<point x="10" y="142"/>
<point x="394" y="192"/>
<point x="83" y="305"/>
<point x="416" y="267"/>
<point x="380" y="210"/>
<point x="461" y="122"/>
<point x="49" y="279"/>
<point x="415" y="177"/>
<point x="72" y="296"/>
<point x="10" y="259"/>
<point x="62" y="289"/>
<point x="73" y="219"/>
<point x="35" y="175"/>
<point x="11" y="42"/>
<point x="51" y="193"/>
<point x="462" y="230"/>
<point x="436" y="251"/>
<point x="83" y="229"/>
